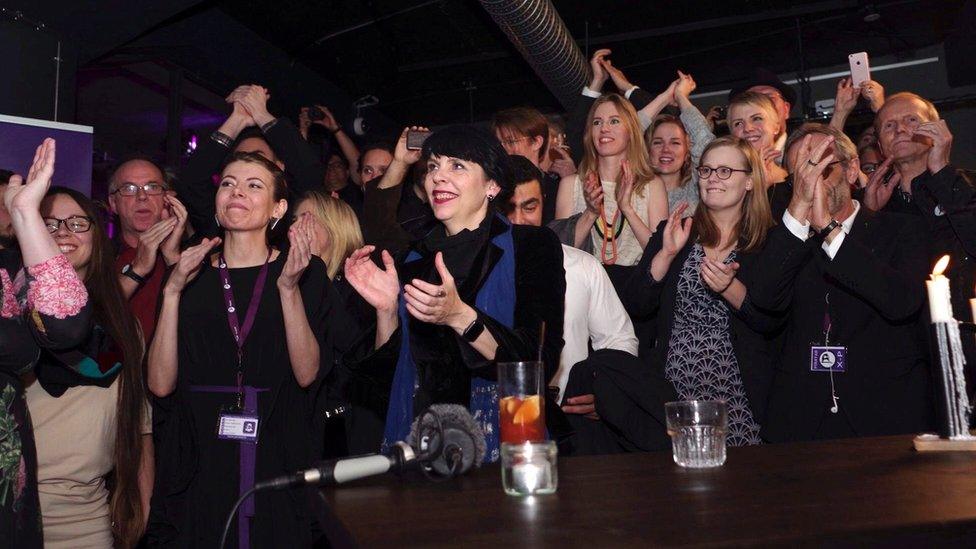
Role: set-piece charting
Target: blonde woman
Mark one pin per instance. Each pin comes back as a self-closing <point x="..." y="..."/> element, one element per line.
<point x="617" y="197"/>
<point x="335" y="225"/>
<point x="695" y="277"/>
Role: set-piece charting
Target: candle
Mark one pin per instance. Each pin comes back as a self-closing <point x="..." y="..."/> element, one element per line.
<point x="940" y="306"/>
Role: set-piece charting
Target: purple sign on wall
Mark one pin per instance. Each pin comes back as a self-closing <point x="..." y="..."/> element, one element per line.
<point x="19" y="138"/>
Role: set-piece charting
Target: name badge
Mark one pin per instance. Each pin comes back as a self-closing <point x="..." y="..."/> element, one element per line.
<point x="238" y="426"/>
<point x="828" y="359"/>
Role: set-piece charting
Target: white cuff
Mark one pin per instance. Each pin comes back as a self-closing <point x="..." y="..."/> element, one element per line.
<point x="630" y="91"/>
<point x="799" y="230"/>
<point x="834" y="246"/>
<point x="590" y="93"/>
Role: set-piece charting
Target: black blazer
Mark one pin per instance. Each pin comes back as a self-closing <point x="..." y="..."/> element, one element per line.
<point x="875" y="285"/>
<point x="643" y="296"/>
<point x="445" y="362"/>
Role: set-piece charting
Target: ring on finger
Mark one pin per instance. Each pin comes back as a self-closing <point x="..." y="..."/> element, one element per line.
<point x="441" y="293"/>
<point x="811" y="162"/>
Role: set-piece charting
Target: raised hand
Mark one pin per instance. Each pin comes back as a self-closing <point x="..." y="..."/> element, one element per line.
<point x="878" y="191"/>
<point x="304" y="122"/>
<point x="149" y="243"/>
<point x="299" y="254"/>
<point x="846" y="97"/>
<point x="718" y="276"/>
<point x="171" y="246"/>
<point x="401" y="153"/>
<point x="599" y="72"/>
<point x="769" y="155"/>
<point x="806" y="175"/>
<point x="714" y="115"/>
<point x="379" y="287"/>
<point x="329" y="122"/>
<point x="938" y="132"/>
<point x="593" y="193"/>
<point x="676" y="231"/>
<point x="685" y="86"/>
<point x="624" y="192"/>
<point x="617" y="75"/>
<point x="433" y="303"/>
<point x="27" y="196"/>
<point x="563" y="165"/>
<point x="188" y="266"/>
<point x="874" y="93"/>
<point x="255" y="102"/>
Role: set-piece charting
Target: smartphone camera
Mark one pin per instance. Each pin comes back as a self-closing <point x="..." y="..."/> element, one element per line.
<point x="416" y="138"/>
<point x="314" y="114"/>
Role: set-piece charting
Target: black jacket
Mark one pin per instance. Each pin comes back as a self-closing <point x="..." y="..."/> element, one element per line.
<point x="876" y="293"/>
<point x="445" y="362"/>
<point x="643" y="296"/>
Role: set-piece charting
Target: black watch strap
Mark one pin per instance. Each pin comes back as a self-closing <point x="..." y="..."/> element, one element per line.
<point x="129" y="272"/>
<point x="822" y="233"/>
<point x="473" y="331"/>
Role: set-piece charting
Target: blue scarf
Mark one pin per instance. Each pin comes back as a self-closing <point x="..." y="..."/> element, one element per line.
<point x="496" y="298"/>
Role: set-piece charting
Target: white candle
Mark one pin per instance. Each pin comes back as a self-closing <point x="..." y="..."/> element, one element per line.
<point x="940" y="306"/>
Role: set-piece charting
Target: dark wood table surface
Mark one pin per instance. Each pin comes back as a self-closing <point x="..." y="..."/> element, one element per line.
<point x="875" y="491"/>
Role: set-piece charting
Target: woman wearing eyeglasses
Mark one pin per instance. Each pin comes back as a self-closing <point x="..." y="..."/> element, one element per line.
<point x="695" y="275"/>
<point x="42" y="305"/>
<point x="88" y="402"/>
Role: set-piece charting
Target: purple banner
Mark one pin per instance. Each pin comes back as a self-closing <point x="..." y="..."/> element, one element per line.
<point x="19" y="138"/>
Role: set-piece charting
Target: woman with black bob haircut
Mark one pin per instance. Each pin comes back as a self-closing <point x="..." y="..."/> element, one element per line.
<point x="474" y="291"/>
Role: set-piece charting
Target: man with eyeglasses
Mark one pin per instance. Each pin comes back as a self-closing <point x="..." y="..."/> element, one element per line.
<point x="150" y="227"/>
<point x="848" y="282"/>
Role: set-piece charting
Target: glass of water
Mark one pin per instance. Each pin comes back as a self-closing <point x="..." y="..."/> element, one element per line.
<point x="697" y="429"/>
<point x="529" y="468"/>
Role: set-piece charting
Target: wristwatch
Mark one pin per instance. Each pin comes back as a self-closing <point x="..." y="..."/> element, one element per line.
<point x="822" y="233"/>
<point x="129" y="272"/>
<point x="471" y="333"/>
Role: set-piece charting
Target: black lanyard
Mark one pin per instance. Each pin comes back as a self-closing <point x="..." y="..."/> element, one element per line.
<point x="241" y="332"/>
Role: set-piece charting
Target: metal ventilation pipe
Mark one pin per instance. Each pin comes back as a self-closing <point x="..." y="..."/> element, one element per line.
<point x="537" y="31"/>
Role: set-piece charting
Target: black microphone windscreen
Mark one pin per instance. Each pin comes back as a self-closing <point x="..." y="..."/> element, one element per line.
<point x="459" y="430"/>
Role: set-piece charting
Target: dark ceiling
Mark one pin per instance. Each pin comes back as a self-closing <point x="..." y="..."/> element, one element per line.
<point x="444" y="61"/>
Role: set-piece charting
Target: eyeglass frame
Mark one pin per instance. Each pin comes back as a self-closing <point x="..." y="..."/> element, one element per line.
<point x="141" y="188"/>
<point x="65" y="221"/>
<point x="715" y="170"/>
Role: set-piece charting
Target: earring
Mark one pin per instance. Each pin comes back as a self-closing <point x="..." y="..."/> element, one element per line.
<point x="274" y="223"/>
<point x="217" y="221"/>
<point x="491" y="197"/>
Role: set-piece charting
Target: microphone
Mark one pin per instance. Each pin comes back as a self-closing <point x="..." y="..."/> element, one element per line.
<point x="339" y="471"/>
<point x="444" y="439"/>
<point x="448" y="440"/>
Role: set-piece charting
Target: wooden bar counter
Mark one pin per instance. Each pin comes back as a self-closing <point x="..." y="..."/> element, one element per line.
<point x="873" y="491"/>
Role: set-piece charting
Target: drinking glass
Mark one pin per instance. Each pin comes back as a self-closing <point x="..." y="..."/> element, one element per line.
<point x="521" y="418"/>
<point x="697" y="429"/>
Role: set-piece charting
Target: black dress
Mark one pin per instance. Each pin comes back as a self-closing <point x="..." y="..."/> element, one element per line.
<point x="200" y="472"/>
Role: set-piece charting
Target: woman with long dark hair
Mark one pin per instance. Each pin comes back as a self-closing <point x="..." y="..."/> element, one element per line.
<point x="239" y="342"/>
<point x="43" y="305"/>
<point x="90" y="429"/>
<point x="475" y="291"/>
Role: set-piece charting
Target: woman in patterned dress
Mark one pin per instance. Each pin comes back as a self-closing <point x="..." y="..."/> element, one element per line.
<point x="43" y="305"/>
<point x="695" y="275"/>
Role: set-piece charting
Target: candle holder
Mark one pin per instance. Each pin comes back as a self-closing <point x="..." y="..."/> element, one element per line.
<point x="952" y="362"/>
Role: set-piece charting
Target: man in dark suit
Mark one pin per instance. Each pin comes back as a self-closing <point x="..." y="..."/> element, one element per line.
<point x="854" y="359"/>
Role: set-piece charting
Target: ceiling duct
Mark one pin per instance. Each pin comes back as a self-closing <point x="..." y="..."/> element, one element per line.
<point x="541" y="36"/>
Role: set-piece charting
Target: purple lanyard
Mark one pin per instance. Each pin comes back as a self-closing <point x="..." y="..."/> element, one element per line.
<point x="241" y="332"/>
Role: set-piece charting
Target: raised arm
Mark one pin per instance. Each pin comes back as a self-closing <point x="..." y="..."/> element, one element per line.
<point x="303" y="347"/>
<point x="162" y="361"/>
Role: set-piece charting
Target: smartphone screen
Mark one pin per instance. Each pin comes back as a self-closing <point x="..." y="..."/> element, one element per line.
<point x="860" y="71"/>
<point x="416" y="138"/>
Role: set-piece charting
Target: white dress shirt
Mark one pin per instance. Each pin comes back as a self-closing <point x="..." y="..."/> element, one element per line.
<point x="802" y="230"/>
<point x="593" y="313"/>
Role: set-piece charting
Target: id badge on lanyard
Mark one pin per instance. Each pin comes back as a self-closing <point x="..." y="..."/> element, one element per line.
<point x="829" y="359"/>
<point x="239" y="423"/>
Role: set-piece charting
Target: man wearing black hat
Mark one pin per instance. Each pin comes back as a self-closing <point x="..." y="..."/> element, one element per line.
<point x="783" y="97"/>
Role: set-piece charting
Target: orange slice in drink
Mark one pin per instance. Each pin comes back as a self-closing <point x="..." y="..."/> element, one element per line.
<point x="510" y="405"/>
<point x="529" y="410"/>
